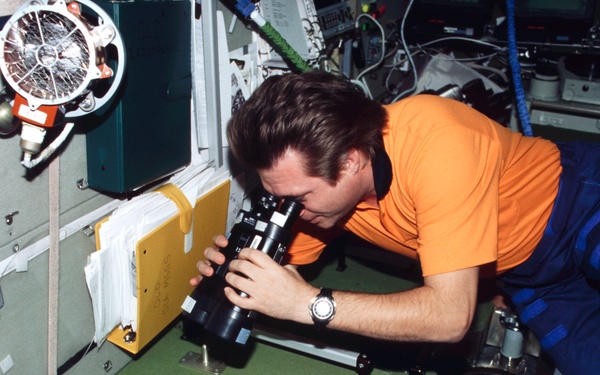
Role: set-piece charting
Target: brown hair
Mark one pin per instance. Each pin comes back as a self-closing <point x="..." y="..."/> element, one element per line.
<point x="317" y="114"/>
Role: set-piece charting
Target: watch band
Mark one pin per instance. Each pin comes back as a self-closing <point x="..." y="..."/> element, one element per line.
<point x="326" y="292"/>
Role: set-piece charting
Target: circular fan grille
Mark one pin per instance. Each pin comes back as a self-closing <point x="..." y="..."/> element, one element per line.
<point x="47" y="56"/>
<point x="52" y="53"/>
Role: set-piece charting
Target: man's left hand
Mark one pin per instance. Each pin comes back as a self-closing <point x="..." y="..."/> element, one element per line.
<point x="274" y="290"/>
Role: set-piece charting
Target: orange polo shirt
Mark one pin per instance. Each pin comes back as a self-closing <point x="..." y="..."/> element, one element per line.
<point x="465" y="191"/>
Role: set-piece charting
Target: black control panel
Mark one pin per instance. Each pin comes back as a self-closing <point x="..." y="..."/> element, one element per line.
<point x="335" y="19"/>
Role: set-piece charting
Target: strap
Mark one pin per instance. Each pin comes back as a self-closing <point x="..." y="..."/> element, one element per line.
<point x="53" y="264"/>
<point x="185" y="208"/>
<point x="326" y="292"/>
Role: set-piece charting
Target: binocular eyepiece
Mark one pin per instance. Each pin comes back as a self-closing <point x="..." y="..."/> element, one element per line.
<point x="265" y="227"/>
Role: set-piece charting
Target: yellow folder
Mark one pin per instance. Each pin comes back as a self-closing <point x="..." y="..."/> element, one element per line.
<point x="164" y="268"/>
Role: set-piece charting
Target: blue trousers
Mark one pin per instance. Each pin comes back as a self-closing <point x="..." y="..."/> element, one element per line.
<point x="555" y="292"/>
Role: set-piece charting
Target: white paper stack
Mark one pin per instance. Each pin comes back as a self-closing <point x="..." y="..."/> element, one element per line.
<point x="111" y="271"/>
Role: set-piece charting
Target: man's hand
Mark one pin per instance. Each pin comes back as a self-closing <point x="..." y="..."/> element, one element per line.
<point x="272" y="289"/>
<point x="213" y="255"/>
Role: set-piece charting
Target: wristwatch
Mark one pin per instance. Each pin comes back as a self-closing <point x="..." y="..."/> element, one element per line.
<point x="322" y="308"/>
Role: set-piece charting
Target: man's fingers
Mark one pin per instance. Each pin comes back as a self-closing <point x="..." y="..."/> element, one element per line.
<point x="214" y="255"/>
<point x="220" y="240"/>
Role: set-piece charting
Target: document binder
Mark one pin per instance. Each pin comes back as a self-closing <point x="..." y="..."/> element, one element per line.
<point x="163" y="268"/>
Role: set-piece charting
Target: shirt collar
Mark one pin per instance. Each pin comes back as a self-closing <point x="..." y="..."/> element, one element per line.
<point x="382" y="172"/>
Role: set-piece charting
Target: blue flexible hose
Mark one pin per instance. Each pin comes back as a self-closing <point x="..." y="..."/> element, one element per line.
<point x="515" y="68"/>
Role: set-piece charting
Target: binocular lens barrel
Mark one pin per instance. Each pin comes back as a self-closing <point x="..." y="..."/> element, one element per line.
<point x="266" y="228"/>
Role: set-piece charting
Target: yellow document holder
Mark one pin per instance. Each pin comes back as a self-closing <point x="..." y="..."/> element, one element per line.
<point x="164" y="269"/>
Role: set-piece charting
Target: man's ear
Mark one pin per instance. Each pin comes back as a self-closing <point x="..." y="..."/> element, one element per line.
<point x="353" y="162"/>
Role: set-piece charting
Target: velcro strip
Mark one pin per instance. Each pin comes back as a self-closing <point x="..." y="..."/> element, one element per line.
<point x="580" y="244"/>
<point x="554" y="336"/>
<point x="533" y="310"/>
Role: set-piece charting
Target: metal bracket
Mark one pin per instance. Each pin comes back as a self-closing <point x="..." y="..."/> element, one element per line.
<point x="202" y="362"/>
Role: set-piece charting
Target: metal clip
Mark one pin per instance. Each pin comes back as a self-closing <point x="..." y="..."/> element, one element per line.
<point x="9" y="218"/>
<point x="88" y="230"/>
<point x="82" y="184"/>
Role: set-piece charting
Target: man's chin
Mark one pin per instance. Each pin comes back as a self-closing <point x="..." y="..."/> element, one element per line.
<point x="323" y="223"/>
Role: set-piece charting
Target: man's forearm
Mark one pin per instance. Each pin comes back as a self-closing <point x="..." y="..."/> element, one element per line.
<point x="434" y="312"/>
<point x="441" y="310"/>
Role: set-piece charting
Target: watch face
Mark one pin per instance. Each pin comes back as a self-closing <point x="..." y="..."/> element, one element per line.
<point x="323" y="308"/>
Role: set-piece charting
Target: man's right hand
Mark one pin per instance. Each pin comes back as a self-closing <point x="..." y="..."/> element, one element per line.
<point x="212" y="255"/>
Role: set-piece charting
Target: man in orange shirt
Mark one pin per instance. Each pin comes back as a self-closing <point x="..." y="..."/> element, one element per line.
<point x="434" y="180"/>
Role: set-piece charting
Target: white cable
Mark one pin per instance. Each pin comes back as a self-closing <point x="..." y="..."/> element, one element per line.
<point x="52" y="147"/>
<point x="475" y="59"/>
<point x="361" y="85"/>
<point x="410" y="59"/>
<point x="394" y="67"/>
<point x="464" y="39"/>
<point x="381" y="58"/>
<point x="390" y="54"/>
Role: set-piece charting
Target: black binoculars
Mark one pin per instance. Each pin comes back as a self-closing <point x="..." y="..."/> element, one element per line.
<point x="265" y="227"/>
